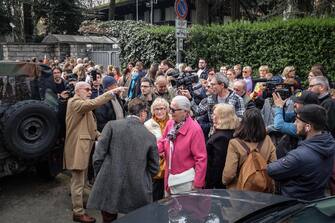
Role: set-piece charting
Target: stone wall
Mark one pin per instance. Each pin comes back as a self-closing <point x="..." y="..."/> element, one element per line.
<point x="26" y="51"/>
<point x="15" y="51"/>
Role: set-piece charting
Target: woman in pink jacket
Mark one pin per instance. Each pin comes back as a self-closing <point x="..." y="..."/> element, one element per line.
<point x="183" y="138"/>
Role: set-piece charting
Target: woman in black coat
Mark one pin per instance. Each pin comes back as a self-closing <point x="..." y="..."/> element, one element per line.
<point x="224" y="123"/>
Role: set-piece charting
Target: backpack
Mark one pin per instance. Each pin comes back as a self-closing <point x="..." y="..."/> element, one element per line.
<point x="252" y="175"/>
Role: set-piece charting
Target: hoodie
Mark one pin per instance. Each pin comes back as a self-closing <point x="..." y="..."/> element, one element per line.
<point x="305" y="171"/>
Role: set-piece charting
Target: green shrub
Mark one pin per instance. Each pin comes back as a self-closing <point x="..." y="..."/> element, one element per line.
<point x="299" y="42"/>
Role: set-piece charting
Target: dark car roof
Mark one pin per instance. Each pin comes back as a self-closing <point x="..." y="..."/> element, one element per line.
<point x="205" y="205"/>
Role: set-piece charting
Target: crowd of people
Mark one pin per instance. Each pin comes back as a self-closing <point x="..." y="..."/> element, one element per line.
<point x="148" y="134"/>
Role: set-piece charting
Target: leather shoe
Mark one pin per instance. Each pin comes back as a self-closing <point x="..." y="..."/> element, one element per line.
<point x="85" y="218"/>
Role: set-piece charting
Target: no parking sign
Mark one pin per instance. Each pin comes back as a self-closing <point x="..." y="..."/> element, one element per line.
<point x="181" y="9"/>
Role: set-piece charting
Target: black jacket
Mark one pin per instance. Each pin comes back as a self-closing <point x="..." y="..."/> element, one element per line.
<point x="106" y="113"/>
<point x="305" y="171"/>
<point x="329" y="104"/>
<point x="217" y="146"/>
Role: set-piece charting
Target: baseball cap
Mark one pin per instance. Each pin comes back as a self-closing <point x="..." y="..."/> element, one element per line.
<point x="313" y="114"/>
<point x="305" y="97"/>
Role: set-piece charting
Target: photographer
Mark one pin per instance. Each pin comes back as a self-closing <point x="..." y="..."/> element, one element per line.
<point x="284" y="121"/>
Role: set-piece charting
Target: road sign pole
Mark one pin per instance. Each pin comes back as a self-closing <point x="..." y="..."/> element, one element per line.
<point x="181" y="9"/>
<point x="178" y="56"/>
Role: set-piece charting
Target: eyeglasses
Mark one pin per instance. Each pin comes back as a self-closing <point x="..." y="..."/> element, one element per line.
<point x="173" y="110"/>
<point x="160" y="109"/>
<point x="144" y="86"/>
<point x="312" y="85"/>
<point x="300" y="119"/>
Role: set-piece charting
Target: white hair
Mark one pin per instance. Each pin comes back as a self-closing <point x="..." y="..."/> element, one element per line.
<point x="322" y="80"/>
<point x="80" y="84"/>
<point x="182" y="102"/>
<point x="79" y="61"/>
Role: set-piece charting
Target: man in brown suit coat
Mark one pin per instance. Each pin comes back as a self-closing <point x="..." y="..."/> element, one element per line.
<point x="81" y="132"/>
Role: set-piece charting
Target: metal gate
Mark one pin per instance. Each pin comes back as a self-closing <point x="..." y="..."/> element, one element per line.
<point x="106" y="58"/>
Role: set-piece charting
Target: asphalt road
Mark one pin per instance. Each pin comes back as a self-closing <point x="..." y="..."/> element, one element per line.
<point x="29" y="199"/>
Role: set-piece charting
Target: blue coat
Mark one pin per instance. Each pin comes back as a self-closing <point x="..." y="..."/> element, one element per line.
<point x="284" y="126"/>
<point x="305" y="171"/>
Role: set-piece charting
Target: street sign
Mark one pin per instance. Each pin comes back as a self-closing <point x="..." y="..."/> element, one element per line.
<point x="181" y="23"/>
<point x="181" y="33"/>
<point x="181" y="8"/>
<point x="181" y="28"/>
<point x="181" y="44"/>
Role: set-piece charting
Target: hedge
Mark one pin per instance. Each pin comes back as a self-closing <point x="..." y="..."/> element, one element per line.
<point x="278" y="43"/>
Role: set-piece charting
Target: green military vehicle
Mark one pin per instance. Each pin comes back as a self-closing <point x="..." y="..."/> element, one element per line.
<point x="29" y="122"/>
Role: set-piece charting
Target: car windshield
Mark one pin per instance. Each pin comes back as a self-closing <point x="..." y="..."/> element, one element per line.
<point x="23" y="81"/>
<point x="322" y="212"/>
<point x="14" y="88"/>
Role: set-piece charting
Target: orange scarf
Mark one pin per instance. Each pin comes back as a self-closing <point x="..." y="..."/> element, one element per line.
<point x="161" y="123"/>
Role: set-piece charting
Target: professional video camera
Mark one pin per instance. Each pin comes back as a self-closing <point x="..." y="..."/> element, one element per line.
<point x="93" y="73"/>
<point x="72" y="79"/>
<point x="185" y="80"/>
<point x="275" y="85"/>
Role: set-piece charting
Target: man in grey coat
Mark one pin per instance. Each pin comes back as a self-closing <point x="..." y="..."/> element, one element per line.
<point x="125" y="160"/>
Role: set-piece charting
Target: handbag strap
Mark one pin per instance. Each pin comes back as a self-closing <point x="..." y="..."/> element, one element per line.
<point x="171" y="151"/>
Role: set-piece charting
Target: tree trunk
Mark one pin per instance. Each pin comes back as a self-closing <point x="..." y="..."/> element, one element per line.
<point x="18" y="17"/>
<point x="201" y="13"/>
<point x="111" y="10"/>
<point x="235" y="10"/>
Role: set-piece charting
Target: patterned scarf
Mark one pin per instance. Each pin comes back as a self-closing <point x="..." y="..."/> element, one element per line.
<point x="172" y="135"/>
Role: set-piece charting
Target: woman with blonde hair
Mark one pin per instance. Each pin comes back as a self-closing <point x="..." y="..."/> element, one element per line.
<point x="224" y="122"/>
<point x="290" y="78"/>
<point x="156" y="125"/>
<point x="263" y="70"/>
<point x="79" y="70"/>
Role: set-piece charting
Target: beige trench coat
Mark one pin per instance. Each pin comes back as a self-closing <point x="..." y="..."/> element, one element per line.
<point x="81" y="130"/>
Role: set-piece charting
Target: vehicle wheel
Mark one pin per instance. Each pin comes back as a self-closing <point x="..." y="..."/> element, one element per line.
<point x="30" y="128"/>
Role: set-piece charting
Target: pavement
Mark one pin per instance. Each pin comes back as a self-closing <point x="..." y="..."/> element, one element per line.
<point x="28" y="198"/>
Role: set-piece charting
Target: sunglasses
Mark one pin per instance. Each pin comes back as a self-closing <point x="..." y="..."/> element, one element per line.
<point x="173" y="110"/>
<point x="87" y="89"/>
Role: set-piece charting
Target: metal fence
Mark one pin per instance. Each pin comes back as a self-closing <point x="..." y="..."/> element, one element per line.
<point x="106" y="58"/>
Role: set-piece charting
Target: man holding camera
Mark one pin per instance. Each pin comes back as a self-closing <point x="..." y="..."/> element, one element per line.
<point x="81" y="132"/>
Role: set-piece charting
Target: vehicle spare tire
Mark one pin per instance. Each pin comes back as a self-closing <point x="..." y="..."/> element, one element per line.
<point x="30" y="128"/>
